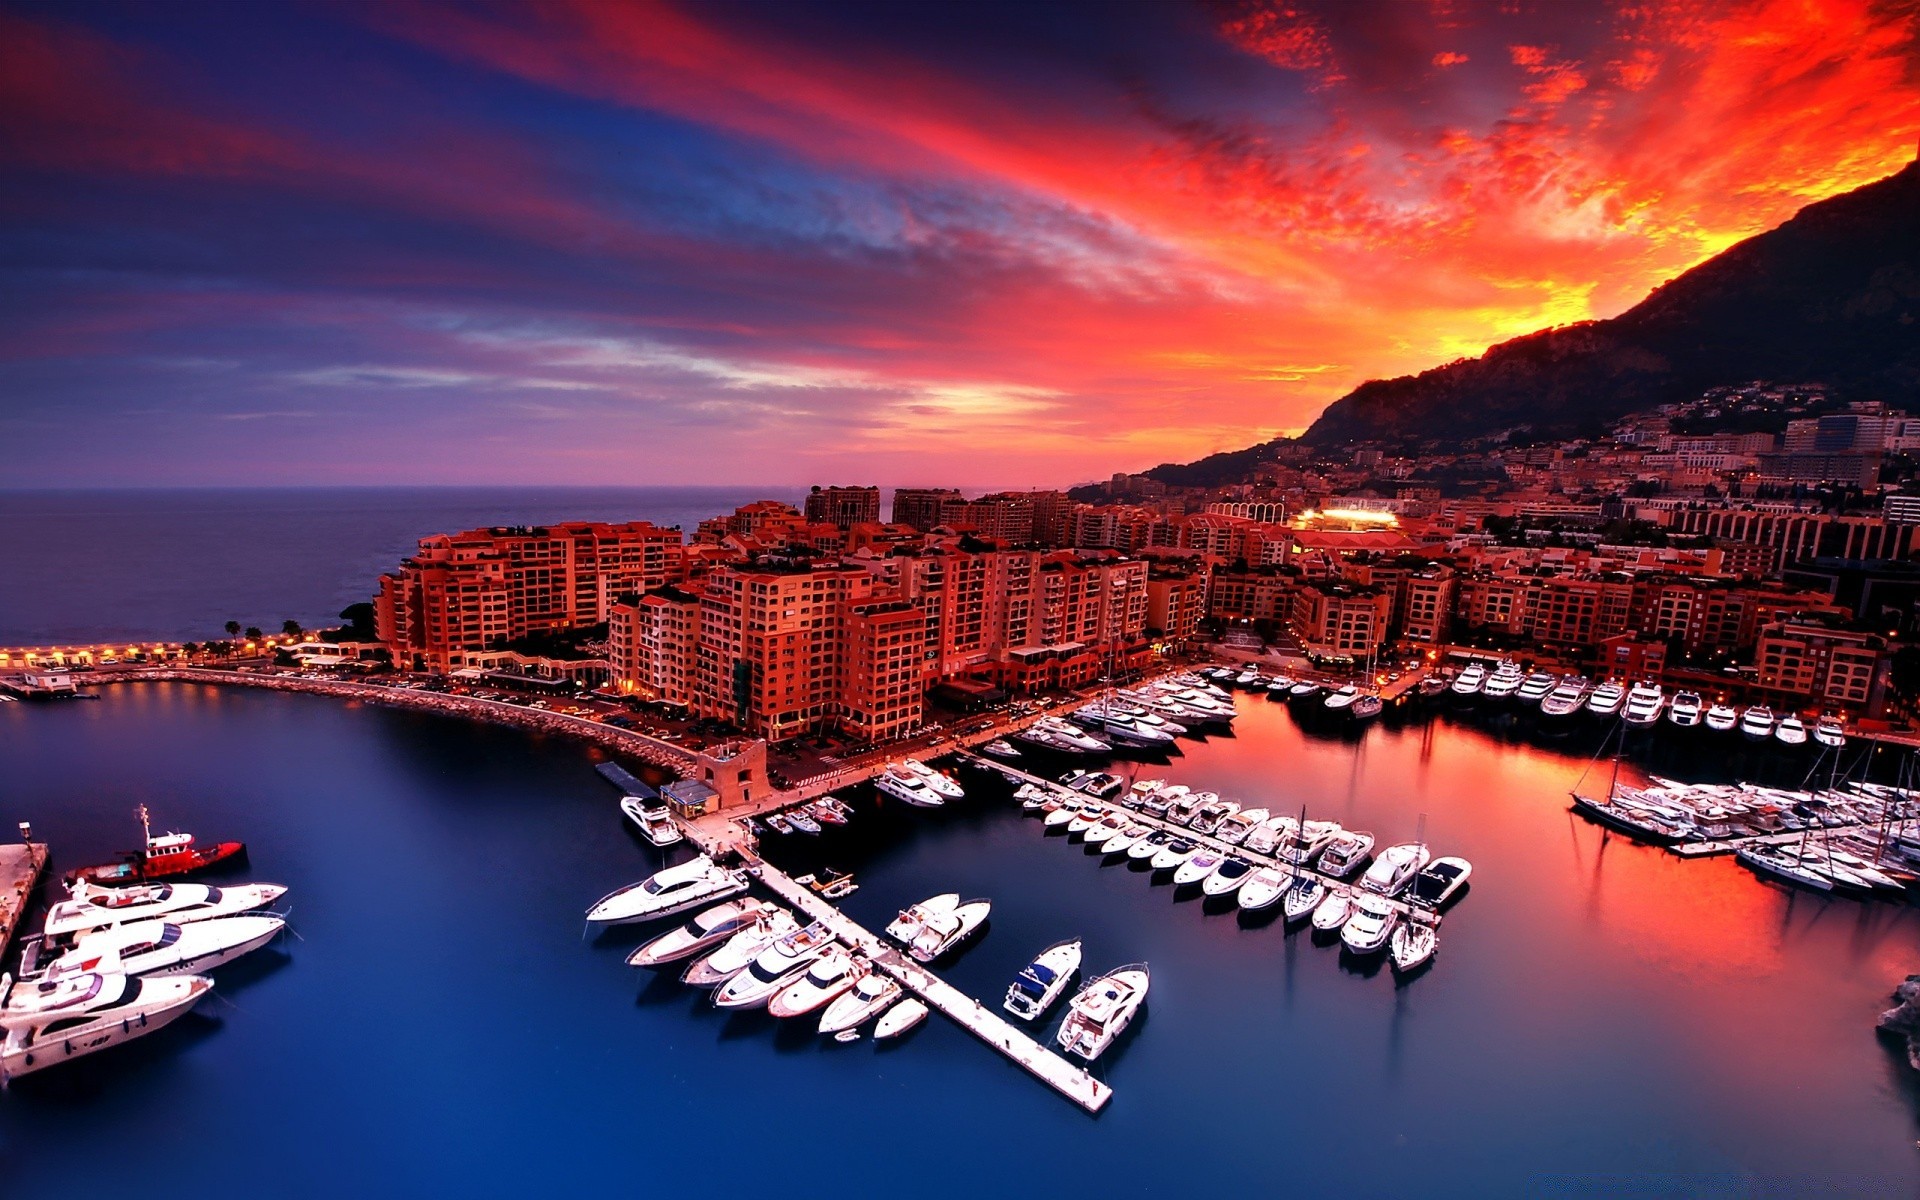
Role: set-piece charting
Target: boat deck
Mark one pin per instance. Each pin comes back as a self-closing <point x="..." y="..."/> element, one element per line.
<point x="20" y="867"/>
<point x="1071" y="1081"/>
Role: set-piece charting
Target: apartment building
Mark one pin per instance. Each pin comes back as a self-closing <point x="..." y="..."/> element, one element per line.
<point x="843" y="507"/>
<point x="1831" y="666"/>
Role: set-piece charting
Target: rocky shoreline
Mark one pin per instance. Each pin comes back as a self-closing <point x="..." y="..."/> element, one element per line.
<point x="1903" y="1019"/>
<point x="620" y="741"/>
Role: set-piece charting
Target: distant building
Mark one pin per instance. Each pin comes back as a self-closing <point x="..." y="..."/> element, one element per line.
<point x="843" y="506"/>
<point x="920" y="507"/>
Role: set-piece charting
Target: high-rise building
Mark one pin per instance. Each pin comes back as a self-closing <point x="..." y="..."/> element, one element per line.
<point x="920" y="507"/>
<point x="843" y="506"/>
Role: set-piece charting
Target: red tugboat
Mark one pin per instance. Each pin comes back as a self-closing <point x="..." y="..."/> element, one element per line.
<point x="168" y="855"/>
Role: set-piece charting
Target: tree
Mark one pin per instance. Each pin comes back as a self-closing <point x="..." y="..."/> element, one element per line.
<point x="253" y="633"/>
<point x="291" y="627"/>
<point x="190" y="648"/>
<point x="233" y="629"/>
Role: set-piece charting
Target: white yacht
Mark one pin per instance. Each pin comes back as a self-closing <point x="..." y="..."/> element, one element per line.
<point x="1124" y="838"/>
<point x="1722" y="717"/>
<point x="941" y="931"/>
<point x="1412" y="945"/>
<point x="832" y="973"/>
<point x="1089" y="816"/>
<point x="1149" y="845"/>
<point x="939" y="782"/>
<point x="1440" y="882"/>
<point x="1306" y="895"/>
<point x="851" y="1009"/>
<point x="912" y="919"/>
<point x="161" y="947"/>
<point x="705" y="929"/>
<point x="1065" y="813"/>
<point x="1686" y="709"/>
<point x="1606" y="698"/>
<point x="91" y="906"/>
<point x="1042" y="981"/>
<point x="1644" y="702"/>
<point x="1306" y="841"/>
<point x="1056" y="734"/>
<point x="1198" y="866"/>
<point x="1340" y="699"/>
<point x="1395" y="868"/>
<point x="1504" y="681"/>
<point x="1828" y="731"/>
<point x="907" y="787"/>
<point x="776" y="967"/>
<point x="1535" y="688"/>
<point x="897" y="1020"/>
<point x="1469" y="681"/>
<point x="668" y="893"/>
<point x="1332" y="912"/>
<point x="1000" y="748"/>
<point x="1227" y="878"/>
<point x="52" y="1021"/>
<point x="1345" y="852"/>
<point x="1757" y="723"/>
<point x="653" y="820"/>
<point x="1566" y="697"/>
<point x="1102" y="1011"/>
<point x="1265" y="837"/>
<point x="1791" y="730"/>
<point x="1372" y="922"/>
<point x="1264" y="887"/>
<point x="1208" y="815"/>
<point x="1235" y="828"/>
<point x="737" y="953"/>
<point x="1173" y="854"/>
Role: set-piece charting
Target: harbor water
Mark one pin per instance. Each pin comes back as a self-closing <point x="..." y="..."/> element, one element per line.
<point x="1601" y="1018"/>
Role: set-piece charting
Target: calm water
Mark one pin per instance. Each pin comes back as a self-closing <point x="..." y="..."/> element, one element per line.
<point x="178" y="564"/>
<point x="1600" y="1016"/>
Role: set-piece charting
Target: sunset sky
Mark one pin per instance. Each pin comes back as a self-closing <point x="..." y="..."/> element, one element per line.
<point x="994" y="244"/>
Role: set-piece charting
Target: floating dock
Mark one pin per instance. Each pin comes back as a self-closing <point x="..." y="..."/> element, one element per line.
<point x="1073" y="1082"/>
<point x="628" y="783"/>
<point x="20" y="867"/>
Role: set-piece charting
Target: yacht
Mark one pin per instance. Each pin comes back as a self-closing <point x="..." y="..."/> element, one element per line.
<point x="1107" y="827"/>
<point x="1332" y="912"/>
<point x="1536" y="687"/>
<point x="1056" y="734"/>
<point x="1090" y="814"/>
<point x="1606" y="698"/>
<point x="1367" y="707"/>
<point x="1032" y="796"/>
<point x="1565" y="699"/>
<point x="1308" y="840"/>
<point x="1685" y="711"/>
<point x="161" y="947"/>
<point x="1341" y="699"/>
<point x="831" y="974"/>
<point x="1197" y="866"/>
<point x="700" y="932"/>
<point x="1185" y="806"/>
<point x="1163" y="799"/>
<point x="1412" y="945"/>
<point x="1306" y="895"/>
<point x="737" y="953"/>
<point x="1394" y="869"/>
<point x="1372" y="922"/>
<point x="939" y="782"/>
<point x="1099" y="784"/>
<point x="899" y="1019"/>
<point x="1469" y="681"/>
<point x="1042" y="981"/>
<point x="1345" y="852"/>
<point x="907" y="787"/>
<point x="1644" y="702"/>
<point x="1757" y="723"/>
<point x="1440" y="882"/>
<point x="1102" y="1011"/>
<point x="653" y="820"/>
<point x="850" y="1010"/>
<point x="1302" y="690"/>
<point x="1504" y="682"/>
<point x="777" y="966"/>
<point x="91" y="907"/>
<point x="912" y="919"/>
<point x="1265" y="837"/>
<point x="1791" y="730"/>
<point x="1829" y="732"/>
<point x="1174" y="854"/>
<point x="1067" y="812"/>
<point x="1149" y="845"/>
<point x="942" y="931"/>
<point x="1207" y="817"/>
<point x="1124" y="838"/>
<point x="1235" y="827"/>
<point x="54" y="1020"/>
<point x="1264" y="887"/>
<point x="1227" y="878"/>
<point x="667" y="893"/>
<point x="1722" y="717"/>
<point x="1000" y="748"/>
<point x="802" y="821"/>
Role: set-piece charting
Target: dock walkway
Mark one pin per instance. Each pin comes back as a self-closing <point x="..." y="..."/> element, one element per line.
<point x="20" y="867"/>
<point x="1071" y="1081"/>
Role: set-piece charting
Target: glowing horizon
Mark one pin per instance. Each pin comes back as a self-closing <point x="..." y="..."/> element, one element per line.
<point x="592" y="243"/>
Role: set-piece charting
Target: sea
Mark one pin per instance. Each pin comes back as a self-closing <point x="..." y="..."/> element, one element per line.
<point x="87" y="566"/>
<point x="1602" y="1018"/>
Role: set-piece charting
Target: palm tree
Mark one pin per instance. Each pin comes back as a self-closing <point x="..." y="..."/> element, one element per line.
<point x="291" y="627"/>
<point x="233" y="629"/>
<point x="253" y="633"/>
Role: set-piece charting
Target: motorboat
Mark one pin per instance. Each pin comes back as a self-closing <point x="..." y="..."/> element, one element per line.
<point x="1303" y="690"/>
<point x="1248" y="677"/>
<point x="907" y="787"/>
<point x="1264" y="887"/>
<point x="832" y="973"/>
<point x="1829" y="732"/>
<point x="1101" y="1011"/>
<point x="1439" y="882"/>
<point x="1227" y="878"/>
<point x="829" y="811"/>
<point x="1066" y="813"/>
<point x="51" y="1021"/>
<point x="1207" y="817"/>
<point x="778" y="823"/>
<point x="1432" y="686"/>
<point x="1412" y="945"/>
<point x="1757" y="723"/>
<point x="698" y="933"/>
<point x="1372" y="922"/>
<point x="1606" y="699"/>
<point x="1187" y="804"/>
<point x="900" y="1019"/>
<point x="1722" y="717"/>
<point x="803" y="821"/>
<point x="1001" y="748"/>
<point x="1340" y="699"/>
<point x="1470" y="680"/>
<point x="1265" y="837"/>
<point x="667" y="893"/>
<point x="162" y="947"/>
<point x="1161" y="802"/>
<point x="1124" y="838"/>
<point x="1234" y="827"/>
<point x="1108" y="826"/>
<point x="870" y="994"/>
<point x="912" y="919"/>
<point x="939" y="782"/>
<point x="91" y="906"/>
<point x="1056" y="734"/>
<point x="1644" y="702"/>
<point x="652" y="819"/>
<point x="941" y="931"/>
<point x="1332" y="912"/>
<point x="1535" y="687"/>
<point x="1141" y="792"/>
<point x="1791" y="731"/>
<point x="1149" y="845"/>
<point x="1032" y="796"/>
<point x="1304" y="897"/>
<point x="1197" y="867"/>
<point x="1367" y="707"/>
<point x="1344" y="853"/>
<point x="1395" y="868"/>
<point x="1174" y="854"/>
<point x="1686" y="709"/>
<point x="1304" y="841"/>
<point x="1566" y="697"/>
<point x="1042" y="981"/>
<point x="1101" y="785"/>
<point x="171" y="855"/>
<point x="1504" y="682"/>
<point x="777" y="966"/>
<point x="1088" y="816"/>
<point x="737" y="953"/>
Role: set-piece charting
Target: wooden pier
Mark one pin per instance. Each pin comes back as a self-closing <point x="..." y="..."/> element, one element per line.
<point x="1071" y="1081"/>
<point x="20" y="867"/>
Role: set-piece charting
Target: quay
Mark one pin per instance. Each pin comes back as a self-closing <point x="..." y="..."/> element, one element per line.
<point x="628" y="783"/>
<point x="20" y="867"/>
